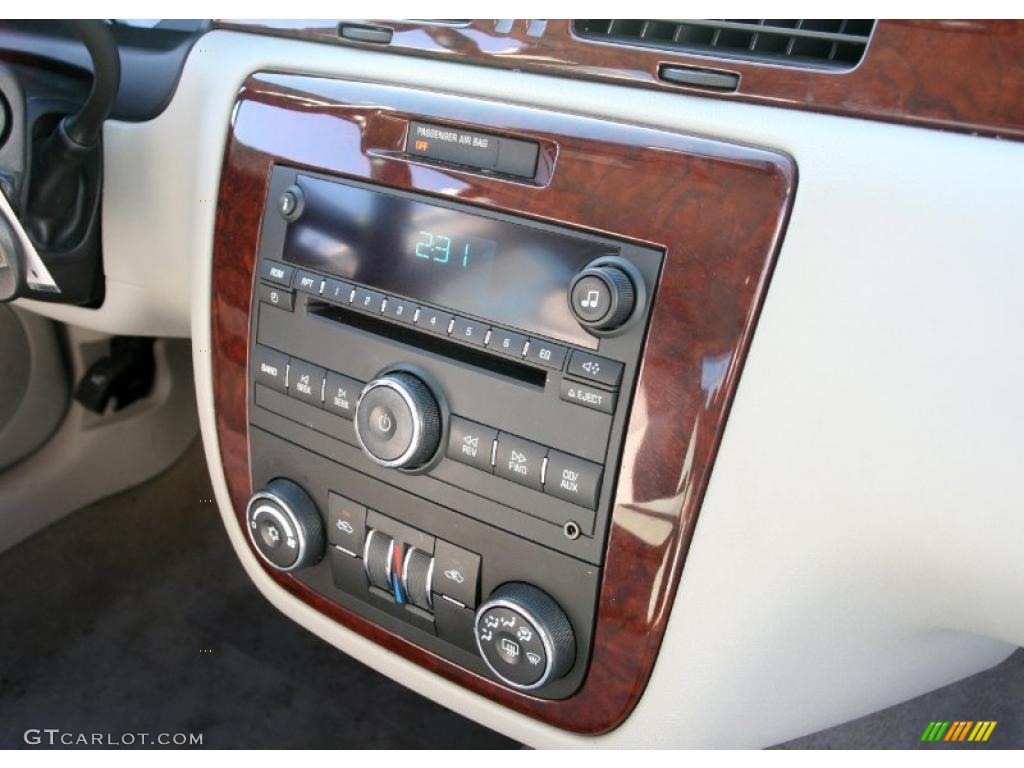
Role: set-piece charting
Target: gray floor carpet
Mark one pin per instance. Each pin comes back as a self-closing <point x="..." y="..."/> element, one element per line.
<point x="134" y="615"/>
<point x="997" y="694"/>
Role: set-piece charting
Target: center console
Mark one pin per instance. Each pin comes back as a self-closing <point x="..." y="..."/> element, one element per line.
<point x="472" y="362"/>
<point x="459" y="379"/>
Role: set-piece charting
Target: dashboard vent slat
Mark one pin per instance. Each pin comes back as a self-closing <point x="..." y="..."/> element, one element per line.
<point x="827" y="43"/>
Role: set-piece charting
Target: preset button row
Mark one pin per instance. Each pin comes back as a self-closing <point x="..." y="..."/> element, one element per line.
<point x="436" y="321"/>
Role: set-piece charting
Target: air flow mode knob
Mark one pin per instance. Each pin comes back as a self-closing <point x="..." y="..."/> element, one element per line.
<point x="602" y="297"/>
<point x="398" y="421"/>
<point x="285" y="526"/>
<point x="524" y="636"/>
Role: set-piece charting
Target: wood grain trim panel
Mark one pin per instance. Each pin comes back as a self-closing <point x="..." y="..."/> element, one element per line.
<point x="957" y="75"/>
<point x="718" y="210"/>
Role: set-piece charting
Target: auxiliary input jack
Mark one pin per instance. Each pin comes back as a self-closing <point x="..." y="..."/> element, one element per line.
<point x="571" y="530"/>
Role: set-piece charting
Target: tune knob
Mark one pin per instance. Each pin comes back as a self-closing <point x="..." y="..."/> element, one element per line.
<point x="398" y="421"/>
<point x="285" y="526"/>
<point x="524" y="636"/>
<point x="602" y="297"/>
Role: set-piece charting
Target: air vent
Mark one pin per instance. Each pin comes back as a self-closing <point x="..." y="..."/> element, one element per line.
<point x="829" y="43"/>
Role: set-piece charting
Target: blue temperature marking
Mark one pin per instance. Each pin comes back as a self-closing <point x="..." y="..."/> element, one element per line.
<point x="397" y="589"/>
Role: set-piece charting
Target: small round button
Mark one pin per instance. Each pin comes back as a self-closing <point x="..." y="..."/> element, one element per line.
<point x="382" y="422"/>
<point x="290" y="203"/>
<point x="398" y="421"/>
<point x="602" y="297"/>
<point x="385" y="423"/>
<point x="591" y="298"/>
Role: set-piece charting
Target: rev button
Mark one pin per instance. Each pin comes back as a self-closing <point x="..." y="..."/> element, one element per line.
<point x="471" y="443"/>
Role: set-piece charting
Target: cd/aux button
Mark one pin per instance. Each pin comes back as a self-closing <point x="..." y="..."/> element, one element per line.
<point x="572" y="479"/>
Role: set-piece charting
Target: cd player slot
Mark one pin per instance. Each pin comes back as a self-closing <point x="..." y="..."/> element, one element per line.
<point x="428" y="342"/>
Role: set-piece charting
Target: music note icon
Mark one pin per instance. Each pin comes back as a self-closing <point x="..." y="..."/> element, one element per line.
<point x="591" y="300"/>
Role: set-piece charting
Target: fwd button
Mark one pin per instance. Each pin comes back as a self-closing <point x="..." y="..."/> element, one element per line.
<point x="519" y="460"/>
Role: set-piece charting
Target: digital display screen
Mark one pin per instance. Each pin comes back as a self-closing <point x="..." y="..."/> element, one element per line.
<point x="513" y="274"/>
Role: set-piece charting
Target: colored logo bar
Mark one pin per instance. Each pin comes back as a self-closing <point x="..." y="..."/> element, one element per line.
<point x="959" y="730"/>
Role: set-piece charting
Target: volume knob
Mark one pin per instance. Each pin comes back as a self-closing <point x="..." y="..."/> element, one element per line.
<point x="398" y="421"/>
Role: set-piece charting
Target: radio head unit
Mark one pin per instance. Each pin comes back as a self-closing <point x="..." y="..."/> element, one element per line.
<point x="437" y="409"/>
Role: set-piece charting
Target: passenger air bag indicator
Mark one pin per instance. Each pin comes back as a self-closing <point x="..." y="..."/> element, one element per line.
<point x="483" y="151"/>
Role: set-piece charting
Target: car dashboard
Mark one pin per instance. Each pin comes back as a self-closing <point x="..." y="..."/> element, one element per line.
<point x="594" y="378"/>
